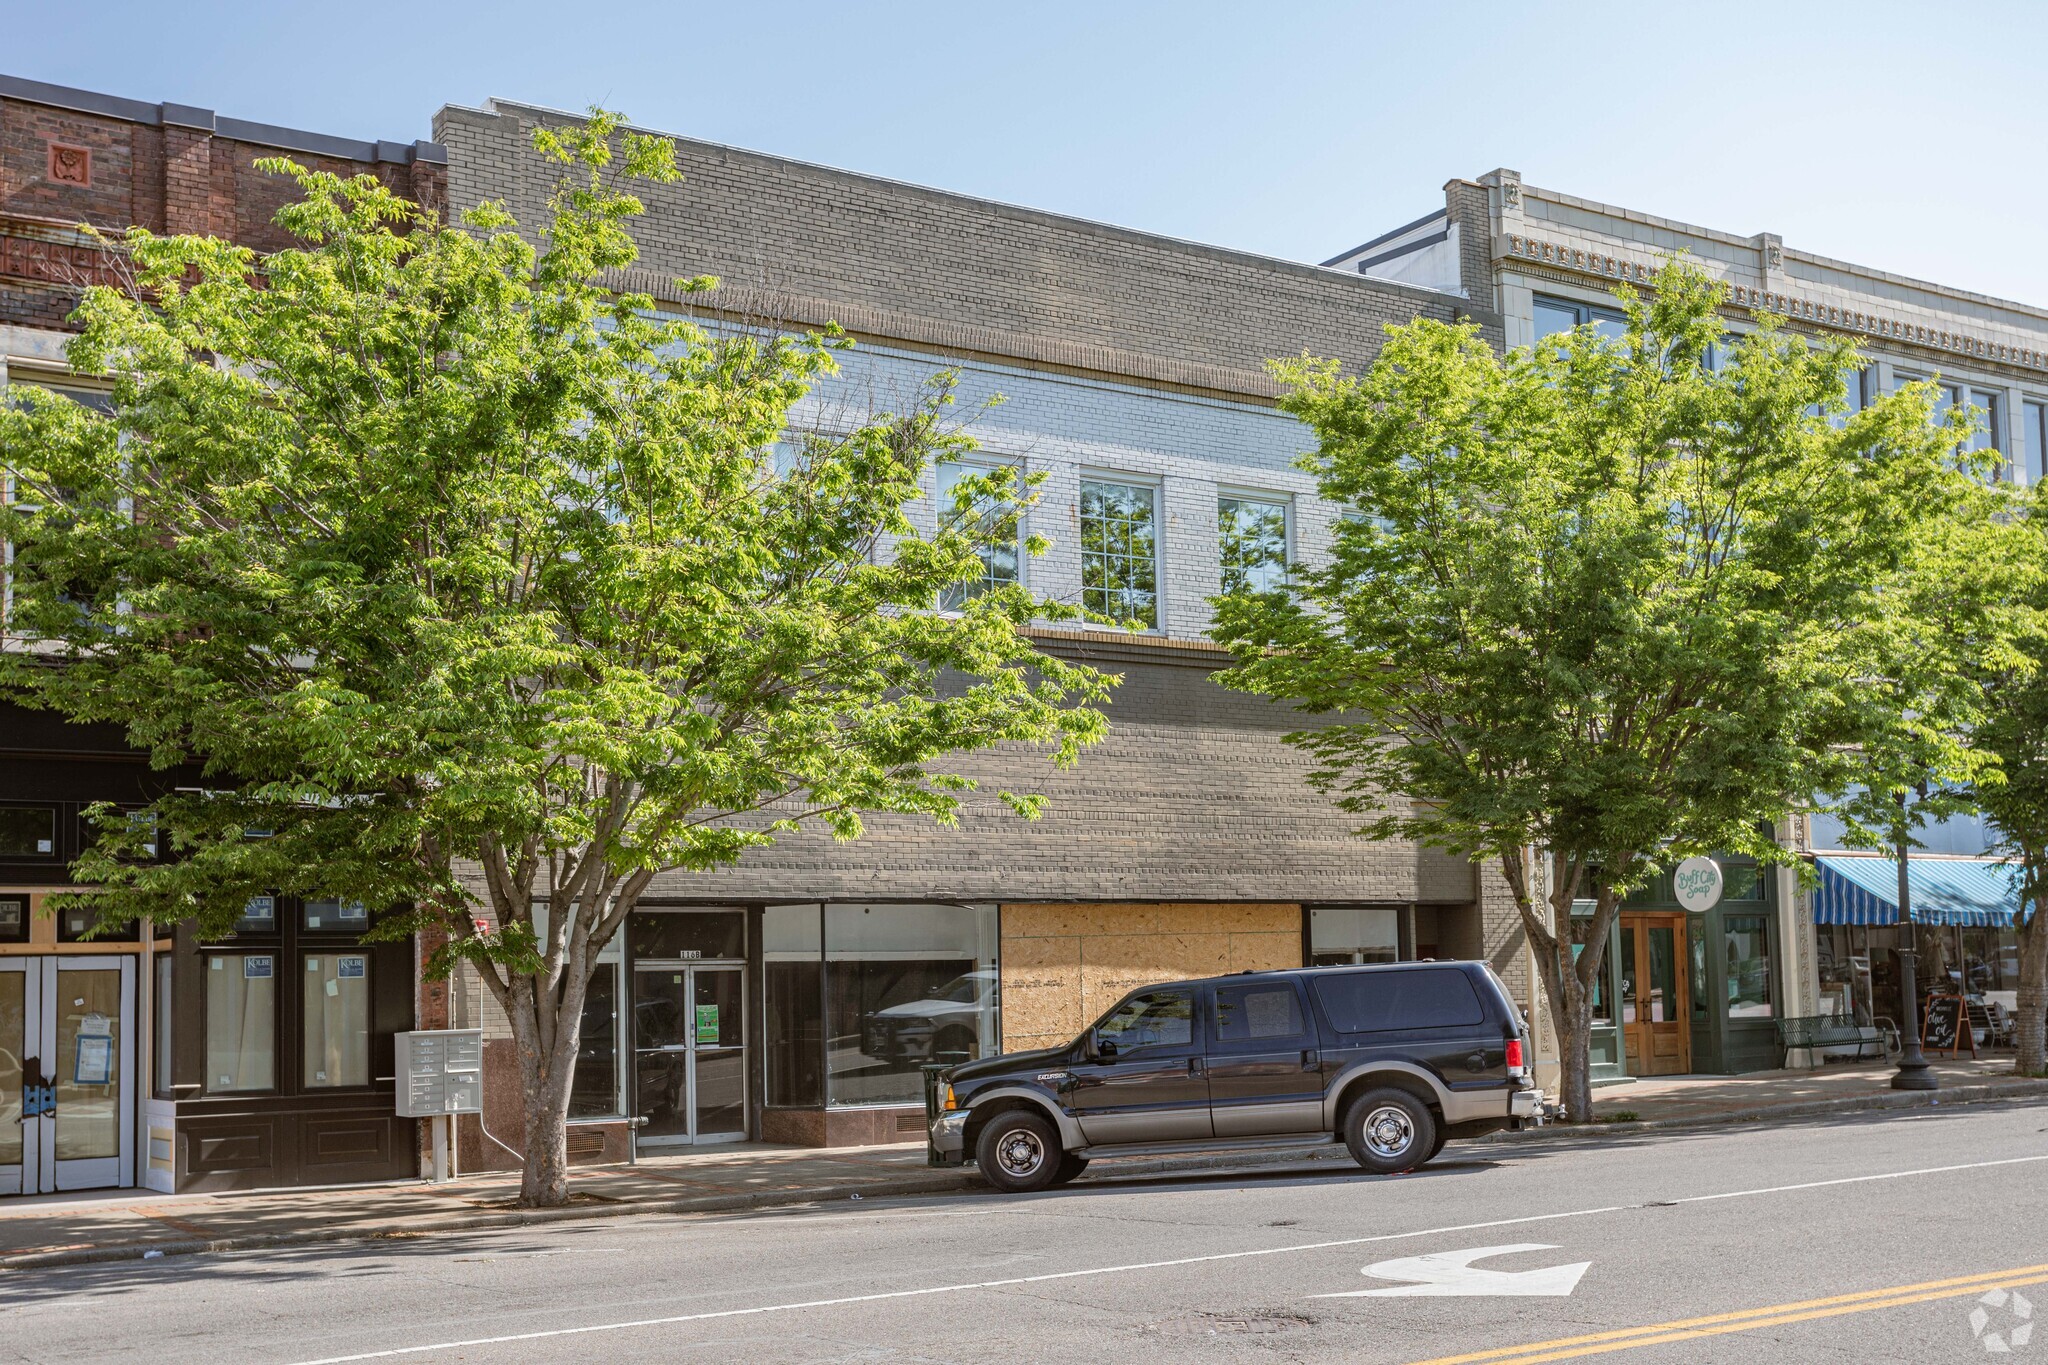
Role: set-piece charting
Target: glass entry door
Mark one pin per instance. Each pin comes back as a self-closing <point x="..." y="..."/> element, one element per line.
<point x="689" y="1053"/>
<point x="1656" y="1020"/>
<point x="67" y="1074"/>
<point x="21" y="981"/>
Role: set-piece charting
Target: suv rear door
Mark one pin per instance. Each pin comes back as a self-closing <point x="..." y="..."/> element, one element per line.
<point x="1265" y="1076"/>
<point x="1154" y="1089"/>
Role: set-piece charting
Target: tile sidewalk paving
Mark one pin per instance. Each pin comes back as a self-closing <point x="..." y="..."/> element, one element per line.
<point x="127" y="1223"/>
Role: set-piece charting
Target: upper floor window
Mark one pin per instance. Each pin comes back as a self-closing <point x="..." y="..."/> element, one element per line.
<point x="1561" y="315"/>
<point x="1120" y="551"/>
<point x="1000" y="554"/>
<point x="2034" y="436"/>
<point x="1251" y="537"/>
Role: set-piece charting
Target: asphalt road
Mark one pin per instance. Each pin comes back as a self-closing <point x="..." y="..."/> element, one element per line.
<point x="1871" y="1238"/>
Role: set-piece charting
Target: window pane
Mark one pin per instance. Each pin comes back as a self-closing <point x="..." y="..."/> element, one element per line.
<point x="906" y="985"/>
<point x="1608" y="323"/>
<point x="678" y="934"/>
<point x="28" y="832"/>
<point x="1119" y="559"/>
<point x="1553" y="317"/>
<point x="1253" y="1014"/>
<point x="2036" y="439"/>
<point x="792" y="954"/>
<point x="88" y="1009"/>
<point x="1368" y="1002"/>
<point x="13" y="919"/>
<point x="337" y="1018"/>
<point x="1582" y="928"/>
<point x="13" y="1028"/>
<point x="1741" y="882"/>
<point x="241" y="1022"/>
<point x="594" y="1091"/>
<point x="165" y="1015"/>
<point x="328" y="915"/>
<point x="1252" y="543"/>
<point x="1154" y="1019"/>
<point x="259" y="916"/>
<point x="1749" y="967"/>
<point x="999" y="553"/>
<point x="1344" y="935"/>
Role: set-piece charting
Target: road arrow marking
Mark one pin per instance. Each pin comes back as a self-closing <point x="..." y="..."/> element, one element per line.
<point x="1446" y="1274"/>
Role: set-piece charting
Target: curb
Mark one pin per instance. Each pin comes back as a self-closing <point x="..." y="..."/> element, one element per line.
<point x="950" y="1181"/>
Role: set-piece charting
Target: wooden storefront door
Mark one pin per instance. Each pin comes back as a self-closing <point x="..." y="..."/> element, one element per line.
<point x="1656" y="1017"/>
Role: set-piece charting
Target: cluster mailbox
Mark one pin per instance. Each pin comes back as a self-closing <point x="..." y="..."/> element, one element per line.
<point x="441" y="1071"/>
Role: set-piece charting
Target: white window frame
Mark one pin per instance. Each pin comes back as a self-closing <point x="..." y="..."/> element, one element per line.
<point x="1155" y="485"/>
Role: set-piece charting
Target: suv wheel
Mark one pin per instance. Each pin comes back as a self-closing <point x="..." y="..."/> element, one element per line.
<point x="1018" y="1152"/>
<point x="1389" y="1130"/>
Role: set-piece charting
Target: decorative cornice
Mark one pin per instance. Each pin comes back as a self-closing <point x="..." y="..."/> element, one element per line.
<point x="1515" y="246"/>
<point x="45" y="251"/>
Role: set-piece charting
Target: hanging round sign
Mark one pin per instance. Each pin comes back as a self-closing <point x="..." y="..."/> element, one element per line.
<point x="1696" y="883"/>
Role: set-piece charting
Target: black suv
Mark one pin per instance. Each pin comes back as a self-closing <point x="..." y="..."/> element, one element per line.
<point x="1391" y="1061"/>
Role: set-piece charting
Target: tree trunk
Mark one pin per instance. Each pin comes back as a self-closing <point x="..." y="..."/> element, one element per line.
<point x="1575" y="1059"/>
<point x="2032" y="1034"/>
<point x="546" y="1071"/>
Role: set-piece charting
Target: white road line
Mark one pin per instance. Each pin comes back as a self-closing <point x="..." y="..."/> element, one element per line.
<point x="1147" y="1265"/>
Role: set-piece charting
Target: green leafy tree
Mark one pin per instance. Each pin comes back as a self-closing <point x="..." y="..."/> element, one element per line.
<point x="1600" y="604"/>
<point x="479" y="585"/>
<point x="2009" y="728"/>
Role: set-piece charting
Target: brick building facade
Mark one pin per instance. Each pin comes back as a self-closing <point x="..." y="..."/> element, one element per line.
<point x="175" y="1064"/>
<point x="1188" y="842"/>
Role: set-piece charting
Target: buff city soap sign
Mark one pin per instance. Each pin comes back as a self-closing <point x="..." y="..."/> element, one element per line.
<point x="1696" y="883"/>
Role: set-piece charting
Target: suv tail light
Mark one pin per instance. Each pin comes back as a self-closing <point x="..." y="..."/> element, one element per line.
<point x="1515" y="1063"/>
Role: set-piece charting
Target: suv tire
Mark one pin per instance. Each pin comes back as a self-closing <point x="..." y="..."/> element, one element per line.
<point x="1389" y="1131"/>
<point x="1019" y="1152"/>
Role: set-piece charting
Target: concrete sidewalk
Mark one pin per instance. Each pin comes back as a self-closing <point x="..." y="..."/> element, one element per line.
<point x="126" y="1224"/>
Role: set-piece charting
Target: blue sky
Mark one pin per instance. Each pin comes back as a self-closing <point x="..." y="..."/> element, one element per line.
<point x="1905" y="136"/>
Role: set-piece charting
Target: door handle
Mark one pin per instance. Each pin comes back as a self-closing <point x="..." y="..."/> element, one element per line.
<point x="1194" y="1066"/>
<point x="1310" y="1061"/>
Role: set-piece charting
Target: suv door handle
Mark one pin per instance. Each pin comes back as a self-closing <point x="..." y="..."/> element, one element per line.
<point x="1194" y="1066"/>
<point x="1309" y="1060"/>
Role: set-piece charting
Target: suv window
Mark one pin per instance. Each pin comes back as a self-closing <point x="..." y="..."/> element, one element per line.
<point x="1154" y="1019"/>
<point x="1248" y="1014"/>
<point x="1372" y="1002"/>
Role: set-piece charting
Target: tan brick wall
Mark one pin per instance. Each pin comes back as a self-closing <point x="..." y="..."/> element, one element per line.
<point x="1063" y="965"/>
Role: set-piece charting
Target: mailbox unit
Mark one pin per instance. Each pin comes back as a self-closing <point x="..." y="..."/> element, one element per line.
<point x="440" y="1072"/>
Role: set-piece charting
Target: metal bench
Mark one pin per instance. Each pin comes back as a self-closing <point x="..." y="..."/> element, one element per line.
<point x="1818" y="1032"/>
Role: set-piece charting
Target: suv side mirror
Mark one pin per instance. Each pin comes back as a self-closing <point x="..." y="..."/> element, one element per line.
<point x="1101" y="1049"/>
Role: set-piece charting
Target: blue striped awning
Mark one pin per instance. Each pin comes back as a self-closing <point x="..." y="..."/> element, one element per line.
<point x="1975" y="892"/>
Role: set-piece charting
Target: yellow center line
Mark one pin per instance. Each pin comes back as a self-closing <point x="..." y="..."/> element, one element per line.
<point x="1687" y="1329"/>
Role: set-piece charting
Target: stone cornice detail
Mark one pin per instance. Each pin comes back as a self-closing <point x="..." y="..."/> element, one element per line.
<point x="1536" y="251"/>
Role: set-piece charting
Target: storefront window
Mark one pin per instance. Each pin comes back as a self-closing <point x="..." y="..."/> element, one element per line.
<point x="594" y="1090"/>
<point x="1991" y="960"/>
<point x="28" y="832"/>
<point x="337" y="1020"/>
<point x="1748" y="942"/>
<point x="241" y="1022"/>
<point x="792" y="960"/>
<point x="597" y="1089"/>
<point x="905" y="985"/>
<point x="1341" y="936"/>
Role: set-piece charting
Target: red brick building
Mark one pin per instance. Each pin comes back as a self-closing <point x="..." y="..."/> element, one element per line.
<point x="160" y="1061"/>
